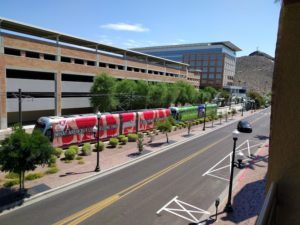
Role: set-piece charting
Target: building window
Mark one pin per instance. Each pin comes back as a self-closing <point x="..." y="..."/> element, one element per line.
<point x="12" y="51"/>
<point x="35" y="55"/>
<point x="102" y="64"/>
<point x="120" y="67"/>
<point x="49" y="57"/>
<point x="204" y="76"/>
<point x="211" y="76"/>
<point x="212" y="69"/>
<point x="91" y="63"/>
<point x="218" y="76"/>
<point x="205" y="63"/>
<point x="78" y="61"/>
<point x="111" y="66"/>
<point x="65" y="59"/>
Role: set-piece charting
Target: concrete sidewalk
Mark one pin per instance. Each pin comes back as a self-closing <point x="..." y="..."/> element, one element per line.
<point x="248" y="193"/>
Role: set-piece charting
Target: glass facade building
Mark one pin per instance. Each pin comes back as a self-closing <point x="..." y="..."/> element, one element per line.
<point x="213" y="62"/>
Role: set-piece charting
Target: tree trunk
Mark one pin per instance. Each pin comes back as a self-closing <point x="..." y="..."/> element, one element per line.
<point x="167" y="137"/>
<point x="20" y="180"/>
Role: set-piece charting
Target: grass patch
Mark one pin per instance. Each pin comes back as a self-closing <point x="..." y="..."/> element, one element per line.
<point x="78" y="158"/>
<point x="33" y="176"/>
<point x="10" y="183"/>
<point x="12" y="175"/>
<point x="52" y="170"/>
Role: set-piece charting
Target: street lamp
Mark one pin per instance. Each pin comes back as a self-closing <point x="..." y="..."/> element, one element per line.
<point x="242" y="107"/>
<point x="228" y="207"/>
<point x="96" y="131"/>
<point x="204" y="117"/>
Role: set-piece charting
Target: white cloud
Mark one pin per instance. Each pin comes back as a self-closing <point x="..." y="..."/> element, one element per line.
<point x="105" y="40"/>
<point x="125" y="27"/>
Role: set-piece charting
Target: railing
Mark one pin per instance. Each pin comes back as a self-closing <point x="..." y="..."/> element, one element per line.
<point x="268" y="211"/>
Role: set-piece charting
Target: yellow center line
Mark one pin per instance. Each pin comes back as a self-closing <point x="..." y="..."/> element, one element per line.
<point x="84" y="214"/>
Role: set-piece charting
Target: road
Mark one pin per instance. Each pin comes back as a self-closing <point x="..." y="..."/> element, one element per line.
<point x="133" y="195"/>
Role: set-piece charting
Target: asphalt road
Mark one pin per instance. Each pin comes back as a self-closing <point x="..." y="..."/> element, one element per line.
<point x="134" y="194"/>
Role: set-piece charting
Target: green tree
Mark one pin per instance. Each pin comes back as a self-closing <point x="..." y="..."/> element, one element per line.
<point x="259" y="100"/>
<point x="220" y="115"/>
<point x="186" y="93"/>
<point x="21" y="152"/>
<point x="212" y="115"/>
<point x="157" y="94"/>
<point x="212" y="91"/>
<point x="141" y="100"/>
<point x="171" y="95"/>
<point x="165" y="127"/>
<point x="140" y="142"/>
<point x="125" y="92"/>
<point x="104" y="90"/>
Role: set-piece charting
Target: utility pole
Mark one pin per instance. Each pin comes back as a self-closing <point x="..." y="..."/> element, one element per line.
<point x="20" y="106"/>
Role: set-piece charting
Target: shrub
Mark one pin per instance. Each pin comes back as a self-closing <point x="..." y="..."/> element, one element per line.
<point x="78" y="158"/>
<point x="101" y="146"/>
<point x="70" y="154"/>
<point x="52" y="160"/>
<point x="57" y="152"/>
<point x="124" y="140"/>
<point x="132" y="137"/>
<point x="52" y="170"/>
<point x="80" y="162"/>
<point x="11" y="183"/>
<point x="68" y="161"/>
<point x="113" y="142"/>
<point x="121" y="136"/>
<point x="86" y="149"/>
<point x="75" y="147"/>
<point x="33" y="176"/>
<point x="12" y="175"/>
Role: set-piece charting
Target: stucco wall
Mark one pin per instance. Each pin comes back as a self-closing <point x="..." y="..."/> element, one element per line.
<point x="284" y="164"/>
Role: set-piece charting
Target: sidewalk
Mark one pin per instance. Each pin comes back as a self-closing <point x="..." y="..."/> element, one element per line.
<point x="109" y="158"/>
<point x="248" y="193"/>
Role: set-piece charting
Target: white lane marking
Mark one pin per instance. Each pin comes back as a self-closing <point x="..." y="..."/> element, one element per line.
<point x="183" y="208"/>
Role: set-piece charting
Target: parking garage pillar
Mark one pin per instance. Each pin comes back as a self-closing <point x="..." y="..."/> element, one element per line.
<point x="3" y="113"/>
<point x="57" y="94"/>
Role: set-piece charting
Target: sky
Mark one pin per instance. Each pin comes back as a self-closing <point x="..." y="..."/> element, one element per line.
<point x="249" y="24"/>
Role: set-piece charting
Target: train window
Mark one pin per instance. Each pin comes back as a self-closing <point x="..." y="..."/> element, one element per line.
<point x="40" y="127"/>
<point x="49" y="134"/>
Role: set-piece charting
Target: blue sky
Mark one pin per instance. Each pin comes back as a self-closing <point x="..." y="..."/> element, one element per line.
<point x="249" y="24"/>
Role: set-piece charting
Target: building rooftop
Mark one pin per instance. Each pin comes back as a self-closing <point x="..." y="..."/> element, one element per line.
<point x="227" y="44"/>
<point x="27" y="29"/>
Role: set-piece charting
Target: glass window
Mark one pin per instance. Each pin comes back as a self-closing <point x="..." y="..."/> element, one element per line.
<point x="204" y="75"/>
<point x="219" y="69"/>
<point x="218" y="76"/>
<point x="211" y="76"/>
<point x="212" y="63"/>
<point x="212" y="57"/>
<point x="205" y="57"/>
<point x="204" y="69"/>
<point x="199" y="63"/>
<point x="219" y="63"/>
<point x="192" y="57"/>
<point x="205" y="63"/>
<point x="211" y="69"/>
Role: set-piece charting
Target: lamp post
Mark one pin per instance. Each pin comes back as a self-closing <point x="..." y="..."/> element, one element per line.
<point x="96" y="131"/>
<point x="228" y="207"/>
<point x="242" y="107"/>
<point x="204" y="117"/>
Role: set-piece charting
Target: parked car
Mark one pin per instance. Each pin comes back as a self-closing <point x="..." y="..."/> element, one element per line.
<point x="244" y="126"/>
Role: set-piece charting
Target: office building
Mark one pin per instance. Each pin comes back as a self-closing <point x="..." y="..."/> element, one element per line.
<point x="213" y="62"/>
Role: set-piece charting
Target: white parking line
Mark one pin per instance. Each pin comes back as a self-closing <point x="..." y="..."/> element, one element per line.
<point x="239" y="151"/>
<point x="183" y="209"/>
